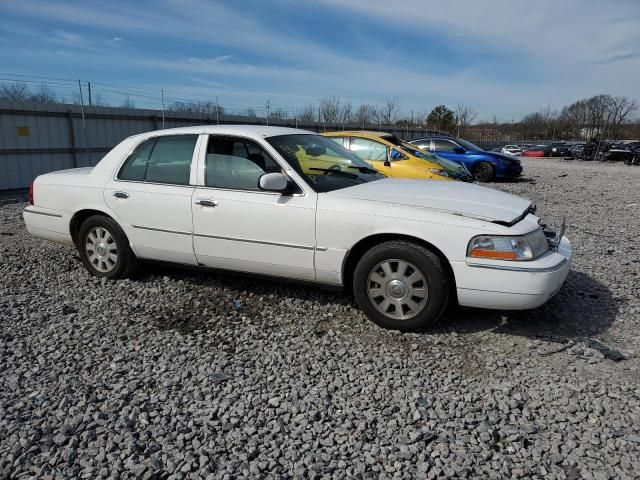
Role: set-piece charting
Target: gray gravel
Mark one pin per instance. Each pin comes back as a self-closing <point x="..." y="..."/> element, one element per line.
<point x="183" y="374"/>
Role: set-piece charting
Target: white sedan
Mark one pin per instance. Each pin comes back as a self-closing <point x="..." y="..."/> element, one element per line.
<point x="513" y="150"/>
<point x="293" y="204"/>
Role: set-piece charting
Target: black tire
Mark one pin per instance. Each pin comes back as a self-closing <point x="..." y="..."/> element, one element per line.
<point x="125" y="264"/>
<point x="416" y="256"/>
<point x="484" y="172"/>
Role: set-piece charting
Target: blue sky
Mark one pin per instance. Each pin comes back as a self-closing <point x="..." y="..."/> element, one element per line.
<point x="503" y="57"/>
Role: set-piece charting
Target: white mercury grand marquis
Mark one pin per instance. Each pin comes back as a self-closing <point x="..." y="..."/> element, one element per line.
<point x="289" y="203"/>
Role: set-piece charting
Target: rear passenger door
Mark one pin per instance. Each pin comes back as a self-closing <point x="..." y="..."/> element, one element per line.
<point x="151" y="197"/>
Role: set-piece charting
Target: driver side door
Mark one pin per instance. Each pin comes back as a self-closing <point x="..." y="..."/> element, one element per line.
<point x="237" y="226"/>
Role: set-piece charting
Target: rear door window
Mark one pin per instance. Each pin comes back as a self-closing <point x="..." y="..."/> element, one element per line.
<point x="443" y="146"/>
<point x="367" y="149"/>
<point x="161" y="160"/>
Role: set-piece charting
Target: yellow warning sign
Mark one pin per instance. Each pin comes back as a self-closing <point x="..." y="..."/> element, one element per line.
<point x="23" y="131"/>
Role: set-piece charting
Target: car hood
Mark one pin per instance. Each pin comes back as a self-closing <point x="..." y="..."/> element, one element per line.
<point x="456" y="198"/>
<point x="500" y="156"/>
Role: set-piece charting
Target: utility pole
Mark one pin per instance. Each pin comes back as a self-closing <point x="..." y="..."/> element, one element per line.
<point x="89" y="88"/>
<point x="268" y="109"/>
<point x="162" y="99"/>
<point x="295" y="114"/>
<point x="81" y="105"/>
<point x="217" y="116"/>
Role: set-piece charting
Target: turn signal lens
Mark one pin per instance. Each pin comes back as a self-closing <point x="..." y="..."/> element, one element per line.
<point x="31" y="193"/>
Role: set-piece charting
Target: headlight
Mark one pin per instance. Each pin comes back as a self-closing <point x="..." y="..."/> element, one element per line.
<point x="517" y="248"/>
<point x="442" y="173"/>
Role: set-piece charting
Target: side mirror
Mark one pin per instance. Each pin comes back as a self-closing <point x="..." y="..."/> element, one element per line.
<point x="273" y="182"/>
<point x="459" y="149"/>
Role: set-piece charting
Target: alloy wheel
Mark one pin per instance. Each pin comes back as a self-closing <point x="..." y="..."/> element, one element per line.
<point x="101" y="249"/>
<point x="397" y="289"/>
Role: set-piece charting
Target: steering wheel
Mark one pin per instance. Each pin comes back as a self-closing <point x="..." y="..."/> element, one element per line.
<point x="333" y="167"/>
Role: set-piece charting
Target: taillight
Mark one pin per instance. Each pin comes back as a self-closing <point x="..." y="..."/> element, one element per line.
<point x="31" y="193"/>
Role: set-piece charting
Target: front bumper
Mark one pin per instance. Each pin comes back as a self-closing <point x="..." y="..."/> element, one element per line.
<point x="512" y="170"/>
<point x="504" y="285"/>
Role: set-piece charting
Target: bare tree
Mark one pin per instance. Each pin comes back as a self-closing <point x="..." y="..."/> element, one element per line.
<point x="620" y="109"/>
<point x="98" y="100"/>
<point x="307" y="113"/>
<point x="465" y="115"/>
<point x="598" y="115"/>
<point x="15" y="92"/>
<point x="389" y="110"/>
<point x="330" y="109"/>
<point x="279" y="114"/>
<point x="576" y="117"/>
<point x="127" y="103"/>
<point x="44" y="95"/>
<point x="206" y="108"/>
<point x="345" y="113"/>
<point x="364" y="115"/>
<point x="550" y="121"/>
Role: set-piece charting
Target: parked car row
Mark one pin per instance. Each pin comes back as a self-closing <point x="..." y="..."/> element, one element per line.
<point x="556" y="149"/>
<point x="435" y="157"/>
<point x="292" y="204"/>
<point x="626" y="151"/>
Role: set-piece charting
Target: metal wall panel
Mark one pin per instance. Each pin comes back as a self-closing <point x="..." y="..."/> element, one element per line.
<point x="49" y="145"/>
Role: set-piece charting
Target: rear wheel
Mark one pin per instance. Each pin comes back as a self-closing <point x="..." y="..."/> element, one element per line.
<point x="104" y="248"/>
<point x="483" y="172"/>
<point x="401" y="285"/>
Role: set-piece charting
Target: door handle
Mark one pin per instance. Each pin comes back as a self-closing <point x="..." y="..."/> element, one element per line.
<point x="206" y="203"/>
<point x="121" y="194"/>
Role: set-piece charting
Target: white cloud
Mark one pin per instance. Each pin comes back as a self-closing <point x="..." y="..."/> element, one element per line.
<point x="115" y="41"/>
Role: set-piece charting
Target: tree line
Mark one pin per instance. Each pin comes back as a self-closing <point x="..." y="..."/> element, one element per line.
<point x="605" y="115"/>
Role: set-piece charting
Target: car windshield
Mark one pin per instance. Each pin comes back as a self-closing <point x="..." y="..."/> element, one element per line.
<point x="324" y="164"/>
<point x="468" y="145"/>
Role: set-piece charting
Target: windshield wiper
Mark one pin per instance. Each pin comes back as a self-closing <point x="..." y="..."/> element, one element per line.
<point x="363" y="169"/>
<point x="336" y="171"/>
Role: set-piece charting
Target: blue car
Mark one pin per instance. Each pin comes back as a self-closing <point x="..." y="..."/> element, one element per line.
<point x="485" y="166"/>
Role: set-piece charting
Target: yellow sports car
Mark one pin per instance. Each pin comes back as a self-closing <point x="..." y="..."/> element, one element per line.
<point x="397" y="158"/>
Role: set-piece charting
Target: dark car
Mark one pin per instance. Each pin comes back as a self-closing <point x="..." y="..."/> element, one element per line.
<point x="559" y="149"/>
<point x="485" y="166"/>
<point x="575" y="150"/>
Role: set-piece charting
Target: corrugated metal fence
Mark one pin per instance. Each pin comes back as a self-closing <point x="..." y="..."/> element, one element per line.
<point x="36" y="139"/>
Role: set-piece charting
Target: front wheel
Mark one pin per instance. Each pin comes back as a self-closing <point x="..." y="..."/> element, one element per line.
<point x="401" y="285"/>
<point x="104" y="248"/>
<point x="483" y="172"/>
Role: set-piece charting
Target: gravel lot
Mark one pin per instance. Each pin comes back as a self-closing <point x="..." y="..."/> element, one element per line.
<point x="183" y="374"/>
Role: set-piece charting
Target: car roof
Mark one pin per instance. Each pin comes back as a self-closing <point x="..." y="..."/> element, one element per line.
<point x="358" y="133"/>
<point x="251" y="131"/>
<point x="434" y="137"/>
